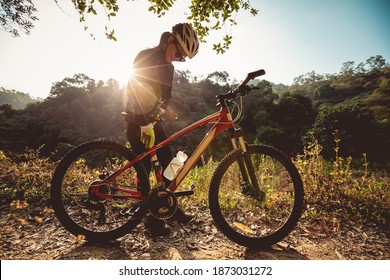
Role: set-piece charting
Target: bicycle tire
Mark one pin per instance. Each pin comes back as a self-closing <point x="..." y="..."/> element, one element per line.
<point x="244" y="219"/>
<point x="96" y="219"/>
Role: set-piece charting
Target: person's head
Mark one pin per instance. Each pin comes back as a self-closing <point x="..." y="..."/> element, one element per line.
<point x="182" y="43"/>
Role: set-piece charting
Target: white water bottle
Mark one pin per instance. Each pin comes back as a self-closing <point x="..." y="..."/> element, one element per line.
<point x="174" y="166"/>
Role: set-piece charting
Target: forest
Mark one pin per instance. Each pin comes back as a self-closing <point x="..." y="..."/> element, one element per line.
<point x="354" y="102"/>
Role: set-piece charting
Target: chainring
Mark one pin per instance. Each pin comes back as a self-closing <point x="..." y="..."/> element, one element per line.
<point x="162" y="203"/>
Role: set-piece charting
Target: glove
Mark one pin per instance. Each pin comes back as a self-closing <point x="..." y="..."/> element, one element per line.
<point x="147" y="135"/>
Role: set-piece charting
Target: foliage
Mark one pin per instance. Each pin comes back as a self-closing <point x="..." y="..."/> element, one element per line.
<point x="18" y="100"/>
<point x="357" y="125"/>
<point x="78" y="109"/>
<point x="25" y="177"/>
<point x="206" y="16"/>
<point x="357" y="106"/>
<point x="84" y="7"/>
<point x="280" y="121"/>
<point x="335" y="191"/>
<point x="213" y="15"/>
<point x="200" y="177"/>
<point x="356" y="103"/>
<point x="17" y="15"/>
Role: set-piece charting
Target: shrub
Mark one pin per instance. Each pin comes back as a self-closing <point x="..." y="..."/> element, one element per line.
<point x="334" y="189"/>
<point x="26" y="177"/>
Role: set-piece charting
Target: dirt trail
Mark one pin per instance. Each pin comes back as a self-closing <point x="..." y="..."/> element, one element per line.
<point x="35" y="233"/>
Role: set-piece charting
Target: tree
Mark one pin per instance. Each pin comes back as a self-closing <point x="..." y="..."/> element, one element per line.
<point x="219" y="11"/>
<point x="78" y="81"/>
<point x="257" y="107"/>
<point x="17" y="15"/>
<point x="357" y="129"/>
<point x="18" y="100"/>
<point x="348" y="68"/>
<point x="206" y="16"/>
<point x="218" y="77"/>
<point x="376" y="62"/>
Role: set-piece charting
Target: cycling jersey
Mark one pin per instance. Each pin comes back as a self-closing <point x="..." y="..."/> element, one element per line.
<point x="151" y="86"/>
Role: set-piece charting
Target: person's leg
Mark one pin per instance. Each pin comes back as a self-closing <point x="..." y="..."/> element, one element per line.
<point x="164" y="154"/>
<point x="165" y="157"/>
<point x="155" y="226"/>
<point x="133" y="135"/>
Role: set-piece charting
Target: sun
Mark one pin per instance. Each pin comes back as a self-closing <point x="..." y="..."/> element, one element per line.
<point x="122" y="75"/>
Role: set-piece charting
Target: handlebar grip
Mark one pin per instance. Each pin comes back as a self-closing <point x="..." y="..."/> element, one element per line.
<point x="255" y="74"/>
<point x="249" y="77"/>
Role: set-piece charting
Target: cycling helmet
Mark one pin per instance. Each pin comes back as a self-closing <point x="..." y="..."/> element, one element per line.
<point x="187" y="38"/>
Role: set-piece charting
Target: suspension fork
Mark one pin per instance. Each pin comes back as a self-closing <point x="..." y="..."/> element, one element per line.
<point x="251" y="184"/>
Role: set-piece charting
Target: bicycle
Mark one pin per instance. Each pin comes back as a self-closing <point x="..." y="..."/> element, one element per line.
<point x="255" y="194"/>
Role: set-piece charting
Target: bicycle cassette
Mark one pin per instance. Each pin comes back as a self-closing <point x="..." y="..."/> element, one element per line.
<point x="162" y="203"/>
<point x="95" y="189"/>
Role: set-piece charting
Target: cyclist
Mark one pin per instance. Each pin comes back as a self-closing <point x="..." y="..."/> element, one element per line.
<point x="149" y="93"/>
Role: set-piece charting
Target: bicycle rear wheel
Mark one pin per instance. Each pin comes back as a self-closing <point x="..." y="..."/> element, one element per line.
<point x="74" y="203"/>
<point x="252" y="222"/>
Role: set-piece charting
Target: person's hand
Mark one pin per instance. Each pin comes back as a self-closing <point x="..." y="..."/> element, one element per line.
<point x="147" y="135"/>
<point x="159" y="115"/>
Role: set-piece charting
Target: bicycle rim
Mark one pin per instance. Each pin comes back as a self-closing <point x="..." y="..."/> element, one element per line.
<point x="83" y="213"/>
<point x="246" y="219"/>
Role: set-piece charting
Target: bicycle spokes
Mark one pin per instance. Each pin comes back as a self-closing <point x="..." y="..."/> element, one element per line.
<point x="264" y="214"/>
<point x="245" y="217"/>
<point x="91" y="199"/>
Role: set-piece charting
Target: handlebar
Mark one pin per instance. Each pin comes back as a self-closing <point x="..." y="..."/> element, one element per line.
<point x="249" y="77"/>
<point x="241" y="88"/>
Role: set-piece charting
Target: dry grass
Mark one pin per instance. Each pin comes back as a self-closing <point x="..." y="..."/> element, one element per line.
<point x="333" y="190"/>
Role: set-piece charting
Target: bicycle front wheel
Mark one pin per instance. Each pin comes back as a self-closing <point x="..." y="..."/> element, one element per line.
<point x="75" y="180"/>
<point x="249" y="221"/>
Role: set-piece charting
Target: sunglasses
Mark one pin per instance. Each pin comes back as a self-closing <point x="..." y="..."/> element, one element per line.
<point x="178" y="53"/>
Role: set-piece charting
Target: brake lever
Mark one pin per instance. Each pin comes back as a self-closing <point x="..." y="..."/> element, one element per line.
<point x="245" y="90"/>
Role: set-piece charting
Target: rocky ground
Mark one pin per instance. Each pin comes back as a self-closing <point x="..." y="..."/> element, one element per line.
<point x="34" y="233"/>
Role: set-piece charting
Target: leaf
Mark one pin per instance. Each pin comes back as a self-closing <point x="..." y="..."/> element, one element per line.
<point x="341" y="257"/>
<point x="80" y="238"/>
<point x="48" y="210"/>
<point x="19" y="204"/>
<point x="23" y="222"/>
<point x="312" y="230"/>
<point x="243" y="227"/>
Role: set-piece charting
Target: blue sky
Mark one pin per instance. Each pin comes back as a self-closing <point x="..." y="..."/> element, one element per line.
<point x="287" y="39"/>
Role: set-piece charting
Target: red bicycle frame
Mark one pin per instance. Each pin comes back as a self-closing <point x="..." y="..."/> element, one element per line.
<point x="223" y="121"/>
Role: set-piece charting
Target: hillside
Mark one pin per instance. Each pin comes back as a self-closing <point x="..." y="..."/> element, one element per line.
<point x="18" y="100"/>
<point x="355" y="102"/>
